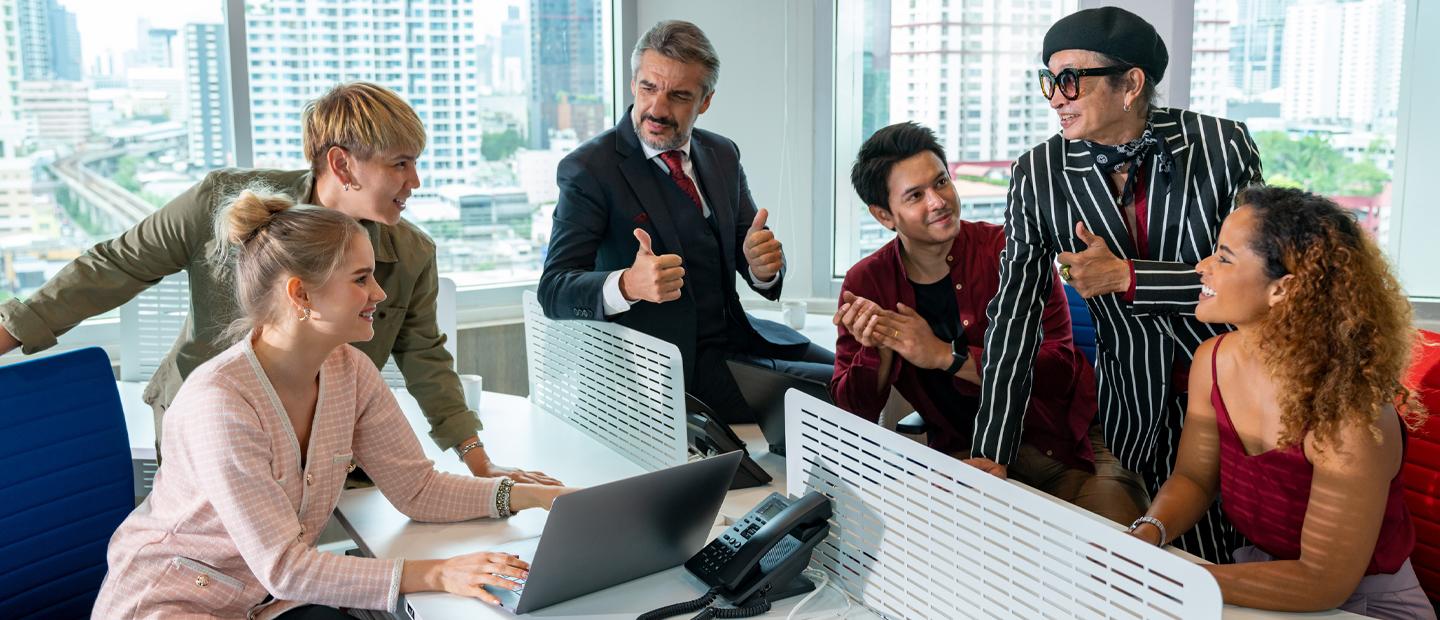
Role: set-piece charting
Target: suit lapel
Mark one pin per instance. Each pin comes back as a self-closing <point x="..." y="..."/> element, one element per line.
<point x="713" y="186"/>
<point x="1169" y="205"/>
<point x="1090" y="191"/>
<point x="640" y="174"/>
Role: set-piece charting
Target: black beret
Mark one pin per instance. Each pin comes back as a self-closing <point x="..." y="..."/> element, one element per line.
<point x="1111" y="31"/>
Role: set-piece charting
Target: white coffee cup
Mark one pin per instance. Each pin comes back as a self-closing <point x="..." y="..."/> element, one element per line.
<point x="472" y="385"/>
<point x="794" y="313"/>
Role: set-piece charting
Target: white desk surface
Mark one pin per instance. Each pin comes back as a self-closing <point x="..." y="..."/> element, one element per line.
<point x="516" y="435"/>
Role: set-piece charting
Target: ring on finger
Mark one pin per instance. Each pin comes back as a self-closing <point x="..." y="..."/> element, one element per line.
<point x="1065" y="272"/>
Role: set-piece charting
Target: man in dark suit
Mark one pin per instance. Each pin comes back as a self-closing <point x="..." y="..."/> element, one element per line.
<point x="655" y="219"/>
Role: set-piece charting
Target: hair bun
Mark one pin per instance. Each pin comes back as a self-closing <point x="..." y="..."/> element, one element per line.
<point x="250" y="211"/>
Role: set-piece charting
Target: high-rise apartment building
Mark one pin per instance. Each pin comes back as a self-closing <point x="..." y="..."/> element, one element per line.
<point x="422" y="49"/>
<point x="1256" y="45"/>
<point x="49" y="41"/>
<point x="968" y="72"/>
<point x="567" y="71"/>
<point x="207" y="82"/>
<point x="1342" y="62"/>
<point x="1210" y="75"/>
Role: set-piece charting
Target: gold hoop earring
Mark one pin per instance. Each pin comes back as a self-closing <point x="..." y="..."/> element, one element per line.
<point x="1127" y="107"/>
<point x="306" y="315"/>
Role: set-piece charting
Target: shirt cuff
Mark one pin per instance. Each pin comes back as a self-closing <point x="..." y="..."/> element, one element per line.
<point x="614" y="302"/>
<point x="1130" y="293"/>
<point x="764" y="286"/>
<point x="392" y="600"/>
<point x="26" y="326"/>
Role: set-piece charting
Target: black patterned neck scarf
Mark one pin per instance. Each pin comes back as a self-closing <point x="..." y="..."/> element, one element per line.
<point x="1115" y="158"/>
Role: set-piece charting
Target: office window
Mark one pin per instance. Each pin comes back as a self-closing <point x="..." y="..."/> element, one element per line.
<point x="1318" y="84"/>
<point x="878" y="39"/>
<point x="107" y="111"/>
<point x="535" y="82"/>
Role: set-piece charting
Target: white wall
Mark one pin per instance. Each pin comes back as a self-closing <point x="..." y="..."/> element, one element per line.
<point x="764" y="101"/>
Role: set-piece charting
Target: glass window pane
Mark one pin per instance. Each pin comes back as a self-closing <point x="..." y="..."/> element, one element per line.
<point x="505" y="88"/>
<point x="107" y="111"/>
<point x="1318" y="83"/>
<point x="964" y="69"/>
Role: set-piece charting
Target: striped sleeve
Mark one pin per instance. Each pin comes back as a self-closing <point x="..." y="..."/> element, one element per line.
<point x="1163" y="287"/>
<point x="1013" y="337"/>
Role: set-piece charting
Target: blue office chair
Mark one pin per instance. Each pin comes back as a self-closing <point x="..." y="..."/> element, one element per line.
<point x="1082" y="328"/>
<point x="65" y="482"/>
<point x="1082" y="325"/>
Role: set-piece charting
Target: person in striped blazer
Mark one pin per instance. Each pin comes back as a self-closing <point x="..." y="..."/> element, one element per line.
<point x="1129" y="197"/>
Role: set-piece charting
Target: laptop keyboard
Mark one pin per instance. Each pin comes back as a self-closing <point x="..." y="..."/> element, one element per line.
<point x="517" y="580"/>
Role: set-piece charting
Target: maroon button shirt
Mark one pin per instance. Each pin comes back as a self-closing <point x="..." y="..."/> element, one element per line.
<point x="1063" y="402"/>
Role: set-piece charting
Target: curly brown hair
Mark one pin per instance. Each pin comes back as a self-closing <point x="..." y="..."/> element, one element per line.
<point x="1339" y="341"/>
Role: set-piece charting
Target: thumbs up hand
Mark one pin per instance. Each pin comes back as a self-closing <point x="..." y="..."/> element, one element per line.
<point x="762" y="249"/>
<point x="1094" y="270"/>
<point x="656" y="279"/>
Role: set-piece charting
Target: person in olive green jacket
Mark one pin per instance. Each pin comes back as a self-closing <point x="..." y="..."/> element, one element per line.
<point x="362" y="141"/>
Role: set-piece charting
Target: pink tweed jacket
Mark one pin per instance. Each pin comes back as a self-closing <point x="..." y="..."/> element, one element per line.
<point x="230" y="528"/>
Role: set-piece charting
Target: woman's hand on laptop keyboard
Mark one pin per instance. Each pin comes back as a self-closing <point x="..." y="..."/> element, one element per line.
<point x="465" y="575"/>
<point x="524" y="496"/>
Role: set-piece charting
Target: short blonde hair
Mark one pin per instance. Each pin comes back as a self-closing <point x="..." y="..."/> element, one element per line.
<point x="363" y="118"/>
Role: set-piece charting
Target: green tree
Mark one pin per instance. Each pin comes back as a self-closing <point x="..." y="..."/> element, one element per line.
<point x="500" y="146"/>
<point x="1311" y="163"/>
<point x="125" y="169"/>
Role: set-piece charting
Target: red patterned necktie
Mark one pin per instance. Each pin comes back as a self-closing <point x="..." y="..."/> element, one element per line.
<point x="677" y="172"/>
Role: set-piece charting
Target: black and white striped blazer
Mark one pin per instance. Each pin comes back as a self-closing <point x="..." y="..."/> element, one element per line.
<point x="1057" y="184"/>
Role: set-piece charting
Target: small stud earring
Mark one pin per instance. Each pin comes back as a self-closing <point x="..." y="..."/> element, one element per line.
<point x="347" y="187"/>
<point x="1127" y="107"/>
<point x="306" y="315"/>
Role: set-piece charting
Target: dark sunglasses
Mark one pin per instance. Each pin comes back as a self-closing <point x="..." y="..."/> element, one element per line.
<point x="1069" y="79"/>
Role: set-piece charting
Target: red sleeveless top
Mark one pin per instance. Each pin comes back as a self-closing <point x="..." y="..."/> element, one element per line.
<point x="1266" y="495"/>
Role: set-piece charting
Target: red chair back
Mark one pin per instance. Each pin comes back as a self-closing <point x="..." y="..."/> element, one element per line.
<point x="1421" y="472"/>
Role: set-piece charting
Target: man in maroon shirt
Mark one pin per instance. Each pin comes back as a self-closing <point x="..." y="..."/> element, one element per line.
<point x="912" y="315"/>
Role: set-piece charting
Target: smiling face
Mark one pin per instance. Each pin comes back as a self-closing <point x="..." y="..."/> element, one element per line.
<point x="1234" y="287"/>
<point x="923" y="206"/>
<point x="669" y="96"/>
<point x="343" y="308"/>
<point x="1098" y="113"/>
<point x="385" y="182"/>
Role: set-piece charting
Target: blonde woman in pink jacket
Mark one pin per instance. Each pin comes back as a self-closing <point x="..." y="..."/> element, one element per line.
<point x="259" y="439"/>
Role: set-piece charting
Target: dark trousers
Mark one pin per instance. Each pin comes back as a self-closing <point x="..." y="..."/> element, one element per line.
<point x="714" y="384"/>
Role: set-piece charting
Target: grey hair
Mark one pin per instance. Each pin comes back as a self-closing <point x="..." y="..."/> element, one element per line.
<point x="682" y="41"/>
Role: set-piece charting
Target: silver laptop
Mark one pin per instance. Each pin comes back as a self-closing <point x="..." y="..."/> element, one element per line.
<point x="632" y="528"/>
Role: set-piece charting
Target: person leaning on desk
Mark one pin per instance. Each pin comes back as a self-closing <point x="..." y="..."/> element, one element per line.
<point x="260" y="437"/>
<point x="362" y="142"/>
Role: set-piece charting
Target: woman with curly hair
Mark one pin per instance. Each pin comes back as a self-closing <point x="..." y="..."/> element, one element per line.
<point x="1298" y="425"/>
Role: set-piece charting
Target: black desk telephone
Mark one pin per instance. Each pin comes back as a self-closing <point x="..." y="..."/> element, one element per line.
<point x="759" y="559"/>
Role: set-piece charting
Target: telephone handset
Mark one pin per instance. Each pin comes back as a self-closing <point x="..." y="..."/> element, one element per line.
<point x="763" y="553"/>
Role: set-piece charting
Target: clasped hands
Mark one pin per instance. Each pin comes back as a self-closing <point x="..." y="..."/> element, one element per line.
<point x="901" y="330"/>
<point x="659" y="278"/>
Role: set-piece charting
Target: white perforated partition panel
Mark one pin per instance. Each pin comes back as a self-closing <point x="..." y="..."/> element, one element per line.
<point x="920" y="535"/>
<point x="445" y="319"/>
<point x="622" y="387"/>
<point x="149" y="325"/>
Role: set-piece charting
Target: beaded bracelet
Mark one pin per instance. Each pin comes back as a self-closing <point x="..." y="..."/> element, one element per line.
<point x="502" y="498"/>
